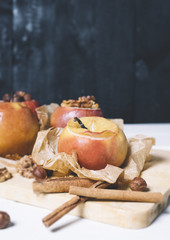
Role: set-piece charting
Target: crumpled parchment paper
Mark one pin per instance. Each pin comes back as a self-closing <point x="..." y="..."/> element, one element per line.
<point x="139" y="148"/>
<point x="44" y="113"/>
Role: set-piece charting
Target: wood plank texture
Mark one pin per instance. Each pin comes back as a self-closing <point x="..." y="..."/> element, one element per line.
<point x="5" y="46"/>
<point x="114" y="58"/>
<point x="117" y="50"/>
<point x="152" y="61"/>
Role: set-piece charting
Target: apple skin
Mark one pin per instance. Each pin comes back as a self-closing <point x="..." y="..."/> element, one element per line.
<point x="108" y="145"/>
<point x="32" y="104"/>
<point x="18" y="128"/>
<point x="62" y="115"/>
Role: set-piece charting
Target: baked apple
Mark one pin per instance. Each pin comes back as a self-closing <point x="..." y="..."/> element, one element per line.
<point x="83" y="107"/>
<point x="96" y="140"/>
<point x="18" y="128"/>
<point x="24" y="97"/>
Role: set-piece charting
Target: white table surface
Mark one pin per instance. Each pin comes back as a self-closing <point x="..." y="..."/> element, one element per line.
<point x="27" y="224"/>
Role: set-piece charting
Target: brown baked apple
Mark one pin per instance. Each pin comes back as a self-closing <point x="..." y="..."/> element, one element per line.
<point x="18" y="128"/>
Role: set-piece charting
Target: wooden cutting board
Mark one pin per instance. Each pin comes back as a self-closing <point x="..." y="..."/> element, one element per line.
<point x="123" y="214"/>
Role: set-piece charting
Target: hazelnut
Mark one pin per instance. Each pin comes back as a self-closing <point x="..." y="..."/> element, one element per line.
<point x="39" y="172"/>
<point x="4" y="219"/>
<point x="27" y="97"/>
<point x="138" y="184"/>
<point x="6" y="97"/>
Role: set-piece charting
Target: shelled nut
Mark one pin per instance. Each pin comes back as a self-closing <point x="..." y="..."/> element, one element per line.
<point x="4" y="219"/>
<point x="39" y="172"/>
<point x="138" y="184"/>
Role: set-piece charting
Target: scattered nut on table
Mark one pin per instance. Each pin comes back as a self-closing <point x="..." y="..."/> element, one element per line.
<point x="138" y="184"/>
<point x="39" y="172"/>
<point x="4" y="219"/>
<point x="4" y="174"/>
<point x="25" y="166"/>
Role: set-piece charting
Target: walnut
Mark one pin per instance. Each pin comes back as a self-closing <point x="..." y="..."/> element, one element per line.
<point x="86" y="98"/>
<point x="4" y="174"/>
<point x="14" y="156"/>
<point x="82" y="102"/>
<point x="25" y="166"/>
<point x="138" y="184"/>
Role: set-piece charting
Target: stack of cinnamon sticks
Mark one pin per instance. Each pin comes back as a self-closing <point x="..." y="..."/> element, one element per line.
<point x="85" y="189"/>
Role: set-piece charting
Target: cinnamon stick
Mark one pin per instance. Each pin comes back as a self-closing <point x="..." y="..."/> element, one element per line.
<point x="69" y="205"/>
<point x="121" y="195"/>
<point x="59" y="185"/>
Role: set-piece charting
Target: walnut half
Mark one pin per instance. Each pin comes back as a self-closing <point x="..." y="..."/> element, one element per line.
<point x="25" y="166"/>
<point x="81" y="102"/>
<point x="4" y="174"/>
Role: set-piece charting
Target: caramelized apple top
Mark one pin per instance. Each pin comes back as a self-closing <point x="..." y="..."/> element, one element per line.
<point x="93" y="124"/>
<point x="81" y="102"/>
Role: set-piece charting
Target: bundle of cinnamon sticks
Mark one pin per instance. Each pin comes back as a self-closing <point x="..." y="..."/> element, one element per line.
<point x="85" y="189"/>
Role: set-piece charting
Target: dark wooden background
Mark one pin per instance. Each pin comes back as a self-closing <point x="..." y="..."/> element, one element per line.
<point x="117" y="50"/>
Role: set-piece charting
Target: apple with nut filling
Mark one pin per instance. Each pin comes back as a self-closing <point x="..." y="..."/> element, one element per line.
<point x="21" y="96"/>
<point x="83" y="107"/>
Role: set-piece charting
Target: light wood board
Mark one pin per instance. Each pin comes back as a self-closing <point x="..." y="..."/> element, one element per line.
<point x="123" y="214"/>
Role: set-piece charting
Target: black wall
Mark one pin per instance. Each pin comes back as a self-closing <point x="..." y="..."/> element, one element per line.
<point x="117" y="50"/>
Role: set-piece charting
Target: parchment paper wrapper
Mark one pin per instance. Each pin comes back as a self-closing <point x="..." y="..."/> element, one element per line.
<point x="44" y="113"/>
<point x="45" y="147"/>
<point x="138" y="153"/>
<point x="45" y="153"/>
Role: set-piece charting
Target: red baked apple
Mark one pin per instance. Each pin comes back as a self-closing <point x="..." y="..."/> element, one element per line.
<point x="83" y="107"/>
<point x="18" y="128"/>
<point x="32" y="104"/>
<point x="96" y="140"/>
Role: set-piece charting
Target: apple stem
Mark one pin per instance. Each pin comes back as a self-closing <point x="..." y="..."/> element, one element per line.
<point x="76" y="119"/>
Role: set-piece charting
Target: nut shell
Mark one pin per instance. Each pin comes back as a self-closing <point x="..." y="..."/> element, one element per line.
<point x="4" y="219"/>
<point x="39" y="172"/>
<point x="27" y="97"/>
<point x="6" y="97"/>
<point x="138" y="184"/>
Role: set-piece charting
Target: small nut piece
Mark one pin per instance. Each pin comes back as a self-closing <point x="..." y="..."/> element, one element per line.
<point x="39" y="172"/>
<point x="4" y="219"/>
<point x="138" y="184"/>
<point x="13" y="156"/>
<point x="4" y="174"/>
<point x="25" y="166"/>
<point x="81" y="102"/>
<point x="27" y="97"/>
<point x="6" y="97"/>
